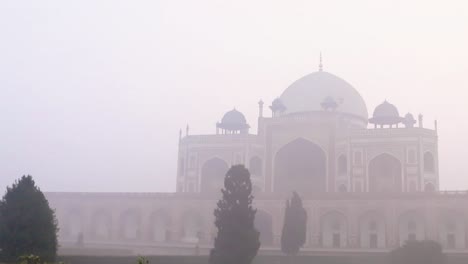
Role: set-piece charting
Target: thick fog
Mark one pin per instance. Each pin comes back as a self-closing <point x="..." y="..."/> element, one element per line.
<point x="93" y="93"/>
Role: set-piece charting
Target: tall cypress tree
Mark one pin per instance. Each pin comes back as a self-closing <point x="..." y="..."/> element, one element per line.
<point x="237" y="241"/>
<point x="27" y="223"/>
<point x="294" y="231"/>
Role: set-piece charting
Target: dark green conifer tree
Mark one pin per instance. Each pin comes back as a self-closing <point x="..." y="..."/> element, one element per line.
<point x="294" y="231"/>
<point x="237" y="241"/>
<point x="27" y="223"/>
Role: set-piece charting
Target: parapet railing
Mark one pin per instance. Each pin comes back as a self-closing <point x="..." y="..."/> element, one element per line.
<point x="262" y="196"/>
<point x="379" y="132"/>
<point x="220" y="138"/>
<point x="452" y="192"/>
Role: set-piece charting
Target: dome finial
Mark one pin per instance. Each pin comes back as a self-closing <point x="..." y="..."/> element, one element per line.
<point x="320" y="64"/>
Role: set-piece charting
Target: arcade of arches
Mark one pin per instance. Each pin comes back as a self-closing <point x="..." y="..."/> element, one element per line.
<point x="302" y="166"/>
<point x="318" y="142"/>
<point x="334" y="228"/>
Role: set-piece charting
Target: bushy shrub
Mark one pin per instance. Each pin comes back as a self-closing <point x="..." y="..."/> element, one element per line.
<point x="142" y="260"/>
<point x="29" y="259"/>
<point x="33" y="259"/>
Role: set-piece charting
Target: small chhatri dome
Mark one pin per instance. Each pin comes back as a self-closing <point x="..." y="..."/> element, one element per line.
<point x="233" y="117"/>
<point x="329" y="103"/>
<point x="233" y="120"/>
<point x="386" y="109"/>
<point x="277" y="105"/>
<point x="409" y="120"/>
<point x="385" y="114"/>
<point x="409" y="116"/>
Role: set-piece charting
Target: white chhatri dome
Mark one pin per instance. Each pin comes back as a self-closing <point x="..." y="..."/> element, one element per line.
<point x="309" y="92"/>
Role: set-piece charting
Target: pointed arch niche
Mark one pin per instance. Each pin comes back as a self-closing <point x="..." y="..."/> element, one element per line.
<point x="212" y="175"/>
<point x="385" y="174"/>
<point x="300" y="166"/>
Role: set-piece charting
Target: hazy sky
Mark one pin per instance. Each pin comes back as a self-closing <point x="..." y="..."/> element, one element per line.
<point x="93" y="93"/>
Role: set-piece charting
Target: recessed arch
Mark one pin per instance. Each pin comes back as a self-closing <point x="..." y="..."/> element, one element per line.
<point x="159" y="226"/>
<point x="334" y="230"/>
<point x="130" y="225"/>
<point x="372" y="230"/>
<point x="213" y="173"/>
<point x="411" y="226"/>
<point x="385" y="174"/>
<point x="452" y="229"/>
<point x="264" y="224"/>
<point x="73" y="225"/>
<point x="192" y="227"/>
<point x="101" y="225"/>
<point x="300" y="166"/>
<point x="429" y="163"/>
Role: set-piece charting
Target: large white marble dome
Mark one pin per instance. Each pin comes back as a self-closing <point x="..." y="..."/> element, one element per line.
<point x="309" y="92"/>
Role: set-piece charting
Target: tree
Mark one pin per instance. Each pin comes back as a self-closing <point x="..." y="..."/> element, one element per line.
<point x="418" y="252"/>
<point x="294" y="231"/>
<point x="237" y="241"/>
<point x="27" y="223"/>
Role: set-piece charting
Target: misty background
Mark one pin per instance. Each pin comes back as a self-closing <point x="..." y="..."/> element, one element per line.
<point x="93" y="93"/>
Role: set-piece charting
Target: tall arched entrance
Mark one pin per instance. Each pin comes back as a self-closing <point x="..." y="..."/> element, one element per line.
<point x="212" y="175"/>
<point x="300" y="166"/>
<point x="385" y="174"/>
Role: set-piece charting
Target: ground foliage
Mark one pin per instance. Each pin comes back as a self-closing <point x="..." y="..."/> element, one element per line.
<point x="142" y="260"/>
<point x="339" y="258"/>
